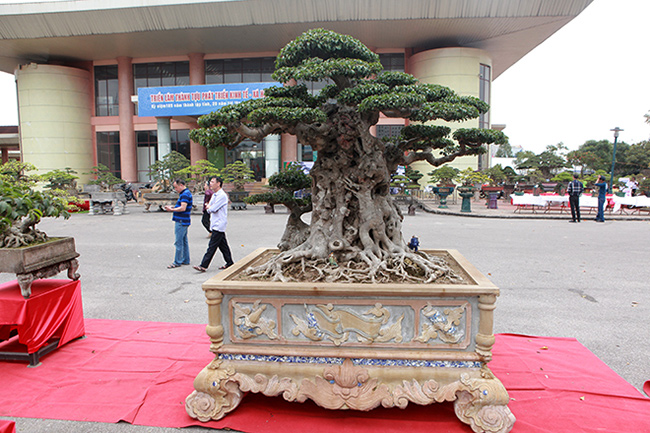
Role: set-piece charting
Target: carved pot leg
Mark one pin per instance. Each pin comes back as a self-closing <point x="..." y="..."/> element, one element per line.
<point x="72" y="270"/>
<point x="25" y="283"/>
<point x="215" y="393"/>
<point x="482" y="403"/>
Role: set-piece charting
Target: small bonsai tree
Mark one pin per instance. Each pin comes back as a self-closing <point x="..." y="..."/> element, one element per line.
<point x="103" y="177"/>
<point x="22" y="208"/>
<point x="238" y="174"/>
<point x="165" y="170"/>
<point x="284" y="186"/>
<point x="413" y="175"/>
<point x="469" y="177"/>
<point x="64" y="180"/>
<point x="203" y="169"/>
<point x="495" y="175"/>
<point x="355" y="221"/>
<point x="444" y="175"/>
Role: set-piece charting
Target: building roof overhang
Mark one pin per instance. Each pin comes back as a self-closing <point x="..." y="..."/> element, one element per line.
<point x="68" y="32"/>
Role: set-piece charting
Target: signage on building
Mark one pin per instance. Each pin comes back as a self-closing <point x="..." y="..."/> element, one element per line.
<point x="195" y="100"/>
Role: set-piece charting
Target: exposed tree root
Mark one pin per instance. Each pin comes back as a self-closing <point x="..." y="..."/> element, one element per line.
<point x="404" y="267"/>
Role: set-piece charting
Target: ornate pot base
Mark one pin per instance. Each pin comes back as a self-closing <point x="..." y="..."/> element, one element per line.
<point x="353" y="346"/>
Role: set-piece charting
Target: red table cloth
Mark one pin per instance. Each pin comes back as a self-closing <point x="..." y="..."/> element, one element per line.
<point x="54" y="310"/>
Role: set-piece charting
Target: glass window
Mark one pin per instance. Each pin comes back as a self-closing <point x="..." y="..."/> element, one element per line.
<point x="250" y="70"/>
<point x="181" y="141"/>
<point x="253" y="156"/>
<point x="106" y="91"/>
<point x="108" y="151"/>
<point x="484" y="93"/>
<point x="392" y="62"/>
<point x="161" y="74"/>
<point x="391" y="131"/>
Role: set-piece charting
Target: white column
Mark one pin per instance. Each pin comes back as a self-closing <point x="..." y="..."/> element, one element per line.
<point x="272" y="154"/>
<point x="164" y="136"/>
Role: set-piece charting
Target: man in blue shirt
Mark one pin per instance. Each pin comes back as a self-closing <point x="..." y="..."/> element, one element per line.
<point x="602" y="191"/>
<point x="182" y="219"/>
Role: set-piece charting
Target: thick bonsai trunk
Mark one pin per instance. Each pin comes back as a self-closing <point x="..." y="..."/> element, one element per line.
<point x="355" y="233"/>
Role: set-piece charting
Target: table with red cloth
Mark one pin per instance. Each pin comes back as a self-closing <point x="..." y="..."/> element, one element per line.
<point x="51" y="317"/>
<point x="7" y="426"/>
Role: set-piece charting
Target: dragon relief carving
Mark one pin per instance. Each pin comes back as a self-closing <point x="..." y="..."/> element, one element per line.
<point x="249" y="322"/>
<point x="444" y="326"/>
<point x="327" y="323"/>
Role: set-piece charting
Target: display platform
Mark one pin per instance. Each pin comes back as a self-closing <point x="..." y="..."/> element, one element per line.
<point x="141" y="372"/>
<point x="51" y="317"/>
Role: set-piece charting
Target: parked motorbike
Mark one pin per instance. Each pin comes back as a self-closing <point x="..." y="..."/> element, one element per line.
<point x="128" y="191"/>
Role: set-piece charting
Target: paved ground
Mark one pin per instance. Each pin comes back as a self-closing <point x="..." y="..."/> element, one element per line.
<point x="588" y="281"/>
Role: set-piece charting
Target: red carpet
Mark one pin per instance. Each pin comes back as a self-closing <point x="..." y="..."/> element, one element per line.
<point x="141" y="372"/>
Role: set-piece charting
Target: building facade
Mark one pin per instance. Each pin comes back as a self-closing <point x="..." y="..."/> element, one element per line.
<point x="80" y="66"/>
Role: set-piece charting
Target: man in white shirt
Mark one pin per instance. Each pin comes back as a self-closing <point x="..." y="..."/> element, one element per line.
<point x="218" y="209"/>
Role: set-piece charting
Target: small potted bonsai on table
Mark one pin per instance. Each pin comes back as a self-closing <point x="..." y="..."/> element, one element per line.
<point x="468" y="179"/>
<point x="24" y="250"/>
<point x="444" y="177"/>
<point x="105" y="199"/>
<point x="239" y="175"/>
<point x="164" y="172"/>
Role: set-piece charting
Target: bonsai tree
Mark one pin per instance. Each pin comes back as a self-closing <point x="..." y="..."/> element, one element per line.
<point x="64" y="180"/>
<point x="284" y="184"/>
<point x="413" y="175"/>
<point x="444" y="175"/>
<point x="403" y="183"/>
<point x="354" y="222"/>
<point x="22" y="208"/>
<point x="469" y="177"/>
<point x="495" y="175"/>
<point x="167" y="169"/>
<point x="238" y="174"/>
<point x="203" y="169"/>
<point x="103" y="177"/>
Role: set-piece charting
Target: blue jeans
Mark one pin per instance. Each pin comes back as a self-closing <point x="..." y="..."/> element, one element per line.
<point x="182" y="255"/>
<point x="601" y="210"/>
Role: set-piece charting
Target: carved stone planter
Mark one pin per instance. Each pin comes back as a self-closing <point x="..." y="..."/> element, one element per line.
<point x="107" y="202"/>
<point x="40" y="261"/>
<point x="353" y="346"/>
<point x="159" y="199"/>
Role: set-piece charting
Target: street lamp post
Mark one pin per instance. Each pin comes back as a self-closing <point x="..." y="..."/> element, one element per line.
<point x="611" y="177"/>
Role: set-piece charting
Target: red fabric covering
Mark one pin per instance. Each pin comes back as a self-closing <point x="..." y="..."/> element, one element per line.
<point x="7" y="426"/>
<point x="141" y="372"/>
<point x="53" y="310"/>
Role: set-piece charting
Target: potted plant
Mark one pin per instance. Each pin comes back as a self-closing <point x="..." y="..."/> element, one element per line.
<point x="351" y="317"/>
<point x="239" y="175"/>
<point x="103" y="198"/>
<point x="290" y="187"/>
<point x="198" y="173"/>
<point x="468" y="179"/>
<point x="164" y="171"/>
<point x="25" y="250"/>
<point x="444" y="177"/>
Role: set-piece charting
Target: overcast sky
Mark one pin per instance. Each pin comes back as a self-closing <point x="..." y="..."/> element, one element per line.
<point x="589" y="77"/>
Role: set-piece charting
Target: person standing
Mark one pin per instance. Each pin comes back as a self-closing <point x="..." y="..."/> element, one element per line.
<point x="218" y="209"/>
<point x="574" y="190"/>
<point x="182" y="219"/>
<point x="602" y="195"/>
<point x="205" y="218"/>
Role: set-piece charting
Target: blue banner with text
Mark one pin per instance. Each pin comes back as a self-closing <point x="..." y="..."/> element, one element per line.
<point x="195" y="100"/>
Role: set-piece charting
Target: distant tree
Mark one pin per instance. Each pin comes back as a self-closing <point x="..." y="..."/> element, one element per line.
<point x="637" y="158"/>
<point x="166" y="169"/>
<point x="546" y="163"/>
<point x="505" y="151"/>
<point x="238" y="174"/>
